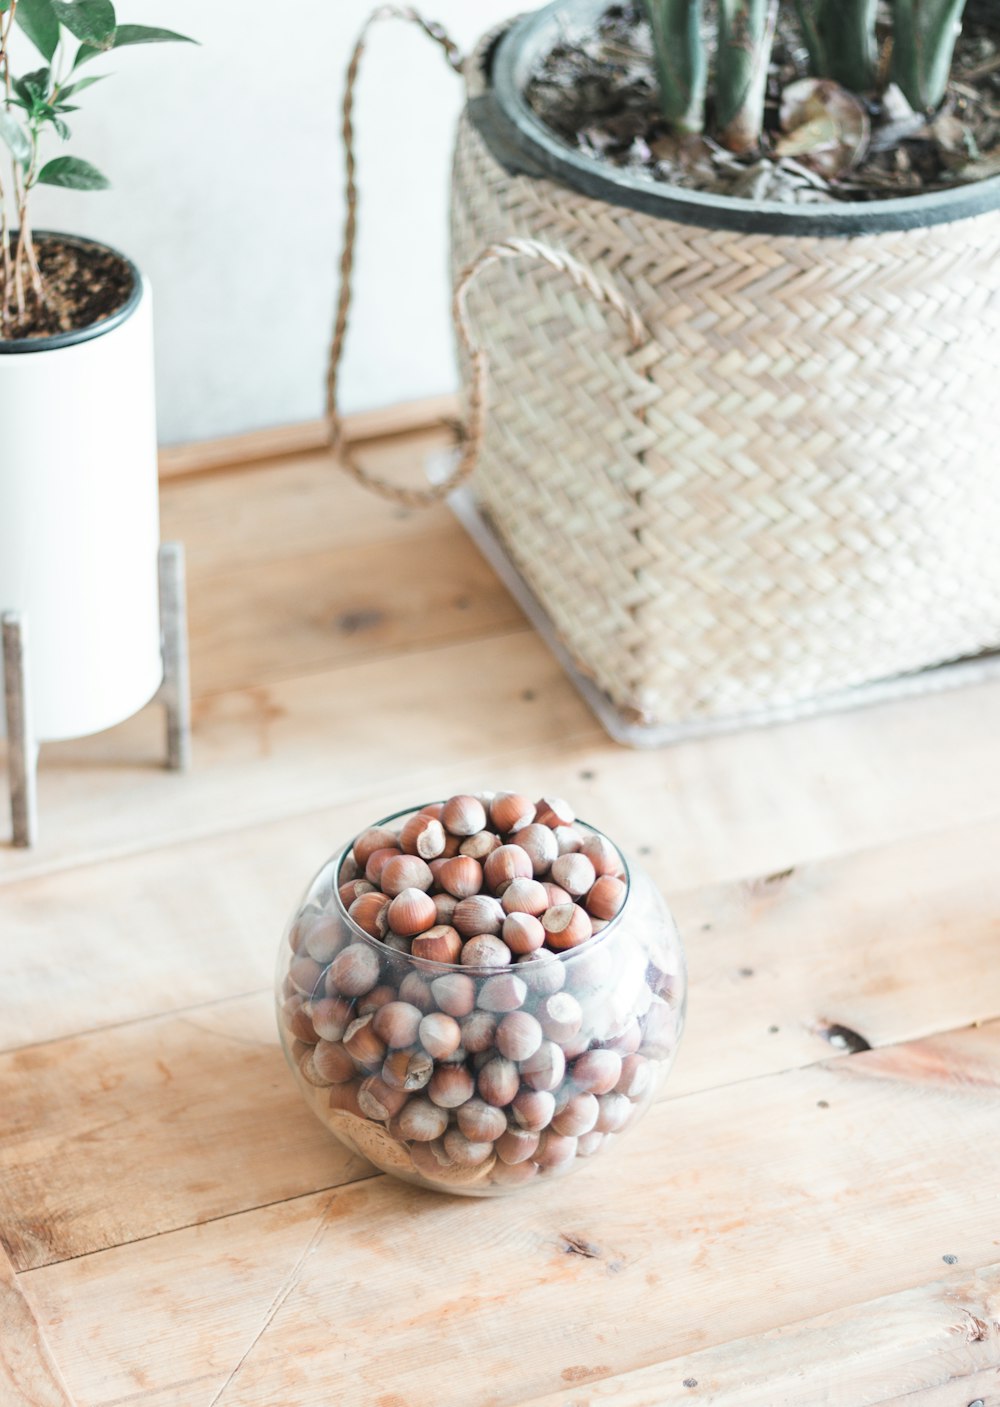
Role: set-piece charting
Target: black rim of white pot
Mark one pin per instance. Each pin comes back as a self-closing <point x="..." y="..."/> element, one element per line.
<point x="523" y="144"/>
<point x="22" y="345"/>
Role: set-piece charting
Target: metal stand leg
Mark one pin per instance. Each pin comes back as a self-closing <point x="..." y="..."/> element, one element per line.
<point x="22" y="750"/>
<point x="175" y="691"/>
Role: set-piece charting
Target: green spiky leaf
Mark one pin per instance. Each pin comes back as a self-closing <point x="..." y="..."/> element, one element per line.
<point x="93" y="21"/>
<point x="38" y="20"/>
<point x="130" y="34"/>
<point x="72" y="173"/>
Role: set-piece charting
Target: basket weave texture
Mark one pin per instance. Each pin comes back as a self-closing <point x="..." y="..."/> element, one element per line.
<point x="792" y="489"/>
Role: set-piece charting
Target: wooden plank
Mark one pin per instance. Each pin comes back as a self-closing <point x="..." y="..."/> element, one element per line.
<point x="727" y="1214"/>
<point x="132" y="1109"/>
<point x="207" y="456"/>
<point x="176" y="1120"/>
<point x="935" y="1346"/>
<point x="28" y="1375"/>
<point x="319" y="611"/>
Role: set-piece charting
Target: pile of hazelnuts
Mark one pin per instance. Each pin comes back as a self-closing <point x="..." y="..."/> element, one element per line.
<point x="489" y="1061"/>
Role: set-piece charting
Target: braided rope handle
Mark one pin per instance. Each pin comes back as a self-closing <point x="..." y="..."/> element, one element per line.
<point x="603" y="293"/>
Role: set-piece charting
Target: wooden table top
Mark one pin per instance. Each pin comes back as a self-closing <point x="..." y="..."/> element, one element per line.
<point x="801" y="1220"/>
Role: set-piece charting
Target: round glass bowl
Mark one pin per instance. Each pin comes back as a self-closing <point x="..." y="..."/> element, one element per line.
<point x="558" y="1054"/>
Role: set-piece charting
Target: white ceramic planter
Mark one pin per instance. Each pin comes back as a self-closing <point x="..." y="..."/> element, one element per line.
<point x="79" y="523"/>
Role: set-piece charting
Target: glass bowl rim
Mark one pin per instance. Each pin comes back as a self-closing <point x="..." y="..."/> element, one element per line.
<point x="478" y="973"/>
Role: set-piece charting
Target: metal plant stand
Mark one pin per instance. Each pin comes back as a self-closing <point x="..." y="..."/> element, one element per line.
<point x="174" y="693"/>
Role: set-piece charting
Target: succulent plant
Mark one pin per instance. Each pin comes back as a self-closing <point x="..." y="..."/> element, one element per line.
<point x="839" y="34"/>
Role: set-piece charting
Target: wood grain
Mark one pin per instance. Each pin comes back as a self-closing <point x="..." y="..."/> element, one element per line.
<point x="942" y="1341"/>
<point x="730" y="1213"/>
<point x="28" y="1375"/>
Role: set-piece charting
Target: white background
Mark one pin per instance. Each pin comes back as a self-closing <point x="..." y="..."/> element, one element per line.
<point x="227" y="190"/>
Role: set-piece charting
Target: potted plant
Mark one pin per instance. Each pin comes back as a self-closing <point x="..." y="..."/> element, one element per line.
<point x="78" y="488"/>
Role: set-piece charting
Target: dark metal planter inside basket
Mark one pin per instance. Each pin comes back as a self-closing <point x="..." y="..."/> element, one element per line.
<point x="787" y="497"/>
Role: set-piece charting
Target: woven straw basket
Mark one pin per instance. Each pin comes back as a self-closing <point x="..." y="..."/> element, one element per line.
<point x="784" y="485"/>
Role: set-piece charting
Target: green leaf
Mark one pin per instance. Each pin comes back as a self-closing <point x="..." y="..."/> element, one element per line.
<point x="128" y="34"/>
<point x="33" y="88"/>
<point x="15" y="137"/>
<point x="61" y="128"/>
<point x="82" y="83"/>
<point x="73" y="174"/>
<point x="93" y="21"/>
<point x="4" y="6"/>
<point x="38" y="20"/>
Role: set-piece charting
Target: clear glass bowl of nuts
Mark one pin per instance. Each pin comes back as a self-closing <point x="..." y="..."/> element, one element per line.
<point x="480" y="993"/>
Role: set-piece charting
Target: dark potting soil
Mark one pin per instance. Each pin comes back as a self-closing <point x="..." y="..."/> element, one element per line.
<point x="82" y="284"/>
<point x="597" y="91"/>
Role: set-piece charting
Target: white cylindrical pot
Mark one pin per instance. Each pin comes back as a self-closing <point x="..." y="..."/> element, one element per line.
<point x="79" y="520"/>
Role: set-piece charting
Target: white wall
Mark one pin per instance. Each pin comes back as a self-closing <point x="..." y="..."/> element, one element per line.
<point x="227" y="173"/>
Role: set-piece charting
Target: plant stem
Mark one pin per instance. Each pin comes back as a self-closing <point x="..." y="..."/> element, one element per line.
<point x="681" y="61"/>
<point x="924" y="35"/>
<point x="746" y="32"/>
<point x="840" y="36"/>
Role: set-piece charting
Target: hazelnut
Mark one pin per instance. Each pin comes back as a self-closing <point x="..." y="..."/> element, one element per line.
<point x="463" y="1152"/>
<point x="375" y="838"/>
<point x="412" y="912"/>
<point x="546" y="1068"/>
<point x="450" y="1086"/>
<point x="606" y="897"/>
<point x="525" y="896"/>
<point x="560" y="1016"/>
<point x="298" y="1020"/>
<point x="405" y="872"/>
<point x="407" y="1069"/>
<point x="516" y="1146"/>
<point x="344" y="1097"/>
<point x="324" y="936"/>
<point x="445" y="905"/>
<point x="498" y="1081"/>
<point x="566" y="926"/>
<point x="614" y="1112"/>
<point x="353" y="971"/>
<point x="578" y="1115"/>
<point x="396" y="1023"/>
<point x="589" y="1143"/>
<point x="331" y="1017"/>
<point x="504" y="992"/>
<point x="523" y="933"/>
<point x="574" y="872"/>
<point x="438" y="944"/>
<point x="305" y="973"/>
<point x="307" y="1066"/>
<point x="602" y="855"/>
<point x="461" y="876"/>
<point x="542" y="972"/>
<point x="478" y="914"/>
<point x="513" y="1174"/>
<point x="422" y="835"/>
<point x="540" y="845"/>
<point x="380" y="1101"/>
<point x="353" y="889"/>
<point x="628" y="1040"/>
<point x="636" y="1077"/>
<point x="433" y="808"/>
<point x="439" y="1034"/>
<point x="377" y="862"/>
<point x="478" y="1031"/>
<point x="597" y="1071"/>
<point x="419" y="1120"/>
<point x="375" y="999"/>
<point x="553" y="811"/>
<point x="485" y="951"/>
<point x="510" y="811"/>
<point x="659" y="1029"/>
<point x="569" y="839"/>
<point x="371" y="912"/>
<point x="576" y="1045"/>
<point x="590" y="971"/>
<point x="398" y="943"/>
<point x="555" y="1151"/>
<point x="363" y="1044"/>
<point x="463" y="815"/>
<point x="534" y="1108"/>
<point x="454" y="993"/>
<point x="507" y="863"/>
<point x="557" y="894"/>
<point x="480" y="845"/>
<point x="481" y="1122"/>
<point x="417" y="991"/>
<point x="518" y="1035"/>
<point x="349" y="868"/>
